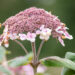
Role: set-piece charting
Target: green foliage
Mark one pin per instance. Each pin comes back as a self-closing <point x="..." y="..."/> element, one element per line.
<point x="2" y="53"/>
<point x="20" y="61"/>
<point x="57" y="61"/>
<point x="5" y="70"/>
<point x="51" y="63"/>
<point x="67" y="71"/>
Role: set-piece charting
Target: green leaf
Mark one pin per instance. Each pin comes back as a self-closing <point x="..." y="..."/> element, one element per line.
<point x="57" y="62"/>
<point x="4" y="70"/>
<point x="51" y="62"/>
<point x="70" y="55"/>
<point x="20" y="61"/>
<point x="2" y="53"/>
<point x="67" y="71"/>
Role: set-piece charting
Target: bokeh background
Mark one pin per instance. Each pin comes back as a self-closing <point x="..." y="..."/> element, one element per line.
<point x="64" y="9"/>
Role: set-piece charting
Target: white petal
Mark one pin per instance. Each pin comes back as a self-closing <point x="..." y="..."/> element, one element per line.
<point x="43" y="33"/>
<point x="41" y="37"/>
<point x="47" y="38"/>
<point x="22" y="36"/>
<point x="66" y="28"/>
<point x="68" y="36"/>
<point x="58" y="28"/>
<point x="61" y="41"/>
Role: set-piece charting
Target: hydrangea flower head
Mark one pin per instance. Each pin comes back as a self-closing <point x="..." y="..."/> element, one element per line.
<point x="35" y="21"/>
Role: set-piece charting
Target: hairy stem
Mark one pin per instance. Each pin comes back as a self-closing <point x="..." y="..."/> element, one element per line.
<point x="40" y="47"/>
<point x="21" y="46"/>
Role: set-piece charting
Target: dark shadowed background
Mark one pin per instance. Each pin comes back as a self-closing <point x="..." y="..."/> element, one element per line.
<point x="64" y="9"/>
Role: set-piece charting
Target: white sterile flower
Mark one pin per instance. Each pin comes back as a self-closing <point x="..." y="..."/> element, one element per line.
<point x="22" y="36"/>
<point x="13" y="36"/>
<point x="65" y="33"/>
<point x="45" y="33"/>
<point x="58" y="30"/>
<point x="31" y="37"/>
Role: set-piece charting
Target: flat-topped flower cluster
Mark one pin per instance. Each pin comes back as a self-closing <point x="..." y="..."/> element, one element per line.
<point x="43" y="32"/>
<point x="33" y="22"/>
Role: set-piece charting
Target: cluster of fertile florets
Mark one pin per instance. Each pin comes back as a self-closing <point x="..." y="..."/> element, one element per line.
<point x="31" y="22"/>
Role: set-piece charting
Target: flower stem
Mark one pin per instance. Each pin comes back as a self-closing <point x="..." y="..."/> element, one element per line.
<point x="34" y="52"/>
<point x="21" y="46"/>
<point x="40" y="47"/>
<point x="35" y="70"/>
<point x="34" y="58"/>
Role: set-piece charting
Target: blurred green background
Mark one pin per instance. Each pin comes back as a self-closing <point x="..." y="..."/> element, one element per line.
<point x="64" y="9"/>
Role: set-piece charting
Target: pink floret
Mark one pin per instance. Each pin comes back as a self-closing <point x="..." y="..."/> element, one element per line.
<point x="31" y="20"/>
